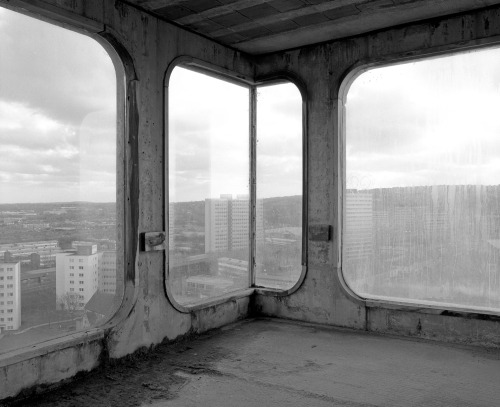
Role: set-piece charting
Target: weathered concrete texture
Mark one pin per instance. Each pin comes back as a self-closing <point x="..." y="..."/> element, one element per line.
<point x="278" y="363"/>
<point x="266" y="26"/>
<point x="153" y="318"/>
<point x="450" y="327"/>
<point x="322" y="68"/>
<point x="38" y="371"/>
<point x="146" y="317"/>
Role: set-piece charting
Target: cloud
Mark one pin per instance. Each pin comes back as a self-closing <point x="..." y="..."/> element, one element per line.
<point x="209" y="138"/>
<point x="425" y="123"/>
<point x="279" y="141"/>
<point x="27" y="128"/>
<point x="57" y="114"/>
<point x="63" y="74"/>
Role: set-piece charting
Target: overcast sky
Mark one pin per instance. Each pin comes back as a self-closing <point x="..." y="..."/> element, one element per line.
<point x="419" y="123"/>
<point x="431" y="122"/>
<point x="57" y="124"/>
<point x="57" y="114"/>
<point x="209" y="138"/>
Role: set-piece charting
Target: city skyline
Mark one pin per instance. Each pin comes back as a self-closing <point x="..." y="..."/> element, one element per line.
<point x="41" y="240"/>
<point x="405" y="232"/>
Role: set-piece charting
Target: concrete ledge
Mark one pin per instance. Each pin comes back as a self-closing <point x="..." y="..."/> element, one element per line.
<point x="50" y="362"/>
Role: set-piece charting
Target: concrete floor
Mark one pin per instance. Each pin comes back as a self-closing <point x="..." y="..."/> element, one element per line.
<point x="266" y="362"/>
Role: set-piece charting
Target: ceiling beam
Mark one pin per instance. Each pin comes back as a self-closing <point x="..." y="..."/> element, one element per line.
<point x="242" y="4"/>
<point x="290" y="15"/>
<point x="156" y="4"/>
<point x="225" y="9"/>
<point x="219" y="11"/>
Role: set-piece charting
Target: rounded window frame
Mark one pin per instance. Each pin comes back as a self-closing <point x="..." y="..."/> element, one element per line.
<point x="271" y="79"/>
<point x="221" y="73"/>
<point x="215" y="71"/>
<point x="345" y="82"/>
<point x="125" y="74"/>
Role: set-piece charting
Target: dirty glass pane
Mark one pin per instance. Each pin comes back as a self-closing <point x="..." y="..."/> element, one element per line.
<point x="279" y="186"/>
<point x="422" y="202"/>
<point x="58" y="94"/>
<point x="208" y="169"/>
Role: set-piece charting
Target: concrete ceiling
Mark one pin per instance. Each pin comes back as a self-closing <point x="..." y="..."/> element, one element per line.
<point x="263" y="26"/>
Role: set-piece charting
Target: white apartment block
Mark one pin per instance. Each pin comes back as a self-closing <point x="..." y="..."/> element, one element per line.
<point x="107" y="272"/>
<point x="227" y="223"/>
<point x="76" y="276"/>
<point x="10" y="296"/>
<point x="217" y="225"/>
<point x="238" y="223"/>
<point x="358" y="232"/>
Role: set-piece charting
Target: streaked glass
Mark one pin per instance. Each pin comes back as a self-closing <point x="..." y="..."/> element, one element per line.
<point x="422" y="202"/>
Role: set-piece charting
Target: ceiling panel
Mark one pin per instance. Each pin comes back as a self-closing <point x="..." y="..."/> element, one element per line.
<point x="263" y="26"/>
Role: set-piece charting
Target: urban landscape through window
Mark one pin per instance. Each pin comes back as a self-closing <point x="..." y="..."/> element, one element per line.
<point x="422" y="201"/>
<point x="209" y="194"/>
<point x="58" y="262"/>
<point x="279" y="186"/>
<point x="208" y="186"/>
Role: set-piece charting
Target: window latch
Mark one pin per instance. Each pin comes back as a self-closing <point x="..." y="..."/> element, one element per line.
<point x="153" y="241"/>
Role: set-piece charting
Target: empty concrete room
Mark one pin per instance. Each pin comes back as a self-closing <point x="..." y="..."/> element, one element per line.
<point x="249" y="203"/>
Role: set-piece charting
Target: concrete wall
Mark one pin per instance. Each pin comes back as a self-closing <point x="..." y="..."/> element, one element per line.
<point x="323" y="298"/>
<point x="147" y="47"/>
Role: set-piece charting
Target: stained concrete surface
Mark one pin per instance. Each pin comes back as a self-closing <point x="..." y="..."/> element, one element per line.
<point x="268" y="362"/>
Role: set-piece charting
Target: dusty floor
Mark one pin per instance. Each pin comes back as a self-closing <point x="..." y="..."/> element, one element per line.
<point x="277" y="363"/>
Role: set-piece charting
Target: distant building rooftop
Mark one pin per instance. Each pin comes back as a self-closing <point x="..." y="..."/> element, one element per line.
<point x="85" y="248"/>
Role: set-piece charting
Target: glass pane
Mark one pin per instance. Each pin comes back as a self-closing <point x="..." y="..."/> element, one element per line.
<point x="422" y="206"/>
<point x="279" y="186"/>
<point x="57" y="182"/>
<point x="208" y="186"/>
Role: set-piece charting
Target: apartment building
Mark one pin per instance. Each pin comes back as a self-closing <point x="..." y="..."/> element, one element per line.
<point x="22" y="251"/>
<point x="76" y="276"/>
<point x="107" y="272"/>
<point x="358" y="237"/>
<point x="227" y="223"/>
<point x="10" y="296"/>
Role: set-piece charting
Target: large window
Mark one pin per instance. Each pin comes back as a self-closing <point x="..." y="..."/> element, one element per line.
<point x="221" y="236"/>
<point x="279" y="186"/>
<point x="422" y="198"/>
<point x="209" y="198"/>
<point x="58" y="141"/>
